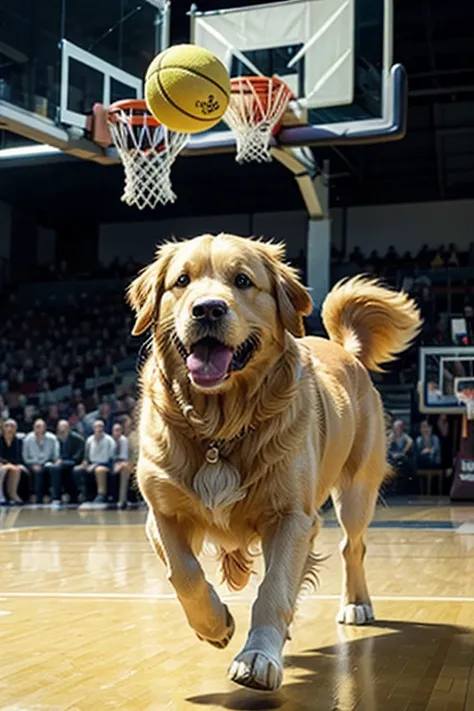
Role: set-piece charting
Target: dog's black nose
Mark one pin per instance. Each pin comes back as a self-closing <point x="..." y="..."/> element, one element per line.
<point x="209" y="310"/>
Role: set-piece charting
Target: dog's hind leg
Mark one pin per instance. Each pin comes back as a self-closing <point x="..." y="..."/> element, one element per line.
<point x="354" y="504"/>
<point x="177" y="544"/>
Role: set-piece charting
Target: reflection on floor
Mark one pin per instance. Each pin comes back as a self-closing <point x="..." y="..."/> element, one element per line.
<point x="88" y="621"/>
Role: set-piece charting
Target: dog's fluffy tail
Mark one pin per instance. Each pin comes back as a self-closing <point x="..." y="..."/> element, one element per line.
<point x="373" y="323"/>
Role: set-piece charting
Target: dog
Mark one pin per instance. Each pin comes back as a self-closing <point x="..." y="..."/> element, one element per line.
<point x="246" y="427"/>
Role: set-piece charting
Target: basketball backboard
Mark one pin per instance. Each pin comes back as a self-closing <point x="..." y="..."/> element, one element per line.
<point x="443" y="373"/>
<point x="336" y="56"/>
<point x="58" y="58"/>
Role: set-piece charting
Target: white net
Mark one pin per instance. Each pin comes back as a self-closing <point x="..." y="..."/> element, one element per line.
<point x="468" y="401"/>
<point x="256" y="107"/>
<point x="470" y="409"/>
<point x="147" y="151"/>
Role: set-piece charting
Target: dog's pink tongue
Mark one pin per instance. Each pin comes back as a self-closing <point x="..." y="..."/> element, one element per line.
<point x="209" y="363"/>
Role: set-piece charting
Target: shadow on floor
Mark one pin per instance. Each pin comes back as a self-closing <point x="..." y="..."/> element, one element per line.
<point x="399" y="667"/>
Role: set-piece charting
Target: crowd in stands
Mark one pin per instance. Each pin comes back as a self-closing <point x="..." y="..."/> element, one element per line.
<point x="424" y="259"/>
<point x="432" y="447"/>
<point x="117" y="269"/>
<point x="60" y="383"/>
<point x="53" y="352"/>
<point x="66" y="466"/>
<point x="65" y="433"/>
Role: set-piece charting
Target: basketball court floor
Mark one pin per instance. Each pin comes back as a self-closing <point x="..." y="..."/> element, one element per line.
<point x="89" y="622"/>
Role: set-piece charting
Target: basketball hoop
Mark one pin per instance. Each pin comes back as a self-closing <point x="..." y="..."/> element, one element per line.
<point x="256" y="107"/>
<point x="147" y="150"/>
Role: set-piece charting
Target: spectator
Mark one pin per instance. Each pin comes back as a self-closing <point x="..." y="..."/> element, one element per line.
<point x="427" y="448"/>
<point x="469" y="317"/>
<point x="71" y="453"/>
<point x="400" y="455"/>
<point x="41" y="456"/>
<point x="451" y="258"/>
<point x="105" y="414"/>
<point x="438" y="260"/>
<point x="80" y="423"/>
<point x="423" y="257"/>
<point x="53" y="417"/>
<point x="356" y="257"/>
<point x="470" y="258"/>
<point x="121" y="463"/>
<point x="444" y="431"/>
<point x="392" y="255"/>
<point x="10" y="462"/>
<point x="127" y="424"/>
<point x="374" y="260"/>
<point x="4" y="411"/>
<point x="97" y="465"/>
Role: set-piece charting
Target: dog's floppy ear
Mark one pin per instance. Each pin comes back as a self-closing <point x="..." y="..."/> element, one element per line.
<point x="145" y="292"/>
<point x="292" y="297"/>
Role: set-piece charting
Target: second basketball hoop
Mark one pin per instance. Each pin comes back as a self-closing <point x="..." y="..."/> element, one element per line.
<point x="147" y="150"/>
<point x="256" y="108"/>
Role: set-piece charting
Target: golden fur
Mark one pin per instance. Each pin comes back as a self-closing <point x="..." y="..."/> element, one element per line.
<point x="301" y="421"/>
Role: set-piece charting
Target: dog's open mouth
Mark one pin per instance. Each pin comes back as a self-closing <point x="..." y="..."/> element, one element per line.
<point x="211" y="361"/>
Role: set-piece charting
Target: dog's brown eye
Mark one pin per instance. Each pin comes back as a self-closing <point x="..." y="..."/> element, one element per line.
<point x="183" y="281"/>
<point x="242" y="281"/>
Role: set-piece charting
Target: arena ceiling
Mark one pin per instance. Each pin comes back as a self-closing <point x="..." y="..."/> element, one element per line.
<point x="435" y="42"/>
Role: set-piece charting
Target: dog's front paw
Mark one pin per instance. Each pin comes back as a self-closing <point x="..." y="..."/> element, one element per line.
<point x="256" y="671"/>
<point x="222" y="638"/>
<point x="356" y="614"/>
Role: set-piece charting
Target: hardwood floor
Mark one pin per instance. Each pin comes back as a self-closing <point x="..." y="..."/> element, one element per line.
<point x="88" y="621"/>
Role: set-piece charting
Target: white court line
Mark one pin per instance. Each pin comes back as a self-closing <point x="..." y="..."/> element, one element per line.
<point x="161" y="597"/>
<point x="57" y="526"/>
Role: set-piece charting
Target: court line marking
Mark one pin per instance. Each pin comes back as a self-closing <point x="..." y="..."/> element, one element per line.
<point x="399" y="526"/>
<point x="162" y="597"/>
<point x="56" y="526"/>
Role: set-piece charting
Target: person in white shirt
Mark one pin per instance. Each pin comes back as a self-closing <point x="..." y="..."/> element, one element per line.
<point x="97" y="465"/>
<point x="41" y="456"/>
<point x="121" y="467"/>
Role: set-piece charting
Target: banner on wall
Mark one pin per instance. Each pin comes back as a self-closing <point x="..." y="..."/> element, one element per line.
<point x="463" y="479"/>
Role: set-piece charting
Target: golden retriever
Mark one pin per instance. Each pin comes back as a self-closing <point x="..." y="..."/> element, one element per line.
<point x="246" y="428"/>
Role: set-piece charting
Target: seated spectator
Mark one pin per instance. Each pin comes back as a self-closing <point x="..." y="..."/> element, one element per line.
<point x="71" y="453"/>
<point x="121" y="463"/>
<point x="392" y="255"/>
<point x="423" y="257"/>
<point x="374" y="260"/>
<point x="104" y="413"/>
<point x="11" y="465"/>
<point x="469" y="316"/>
<point x="451" y="257"/>
<point x="427" y="448"/>
<point x="4" y="411"/>
<point x="41" y="456"/>
<point x="97" y="465"/>
<point x="356" y="257"/>
<point x="53" y="417"/>
<point x="400" y="455"/>
<point x="438" y="260"/>
<point x="127" y="424"/>
<point x="80" y="423"/>
<point x="470" y="257"/>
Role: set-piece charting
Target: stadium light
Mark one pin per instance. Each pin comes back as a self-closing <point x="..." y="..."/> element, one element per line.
<point x="41" y="149"/>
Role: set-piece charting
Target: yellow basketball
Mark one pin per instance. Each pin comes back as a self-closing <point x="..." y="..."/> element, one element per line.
<point x="187" y="88"/>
